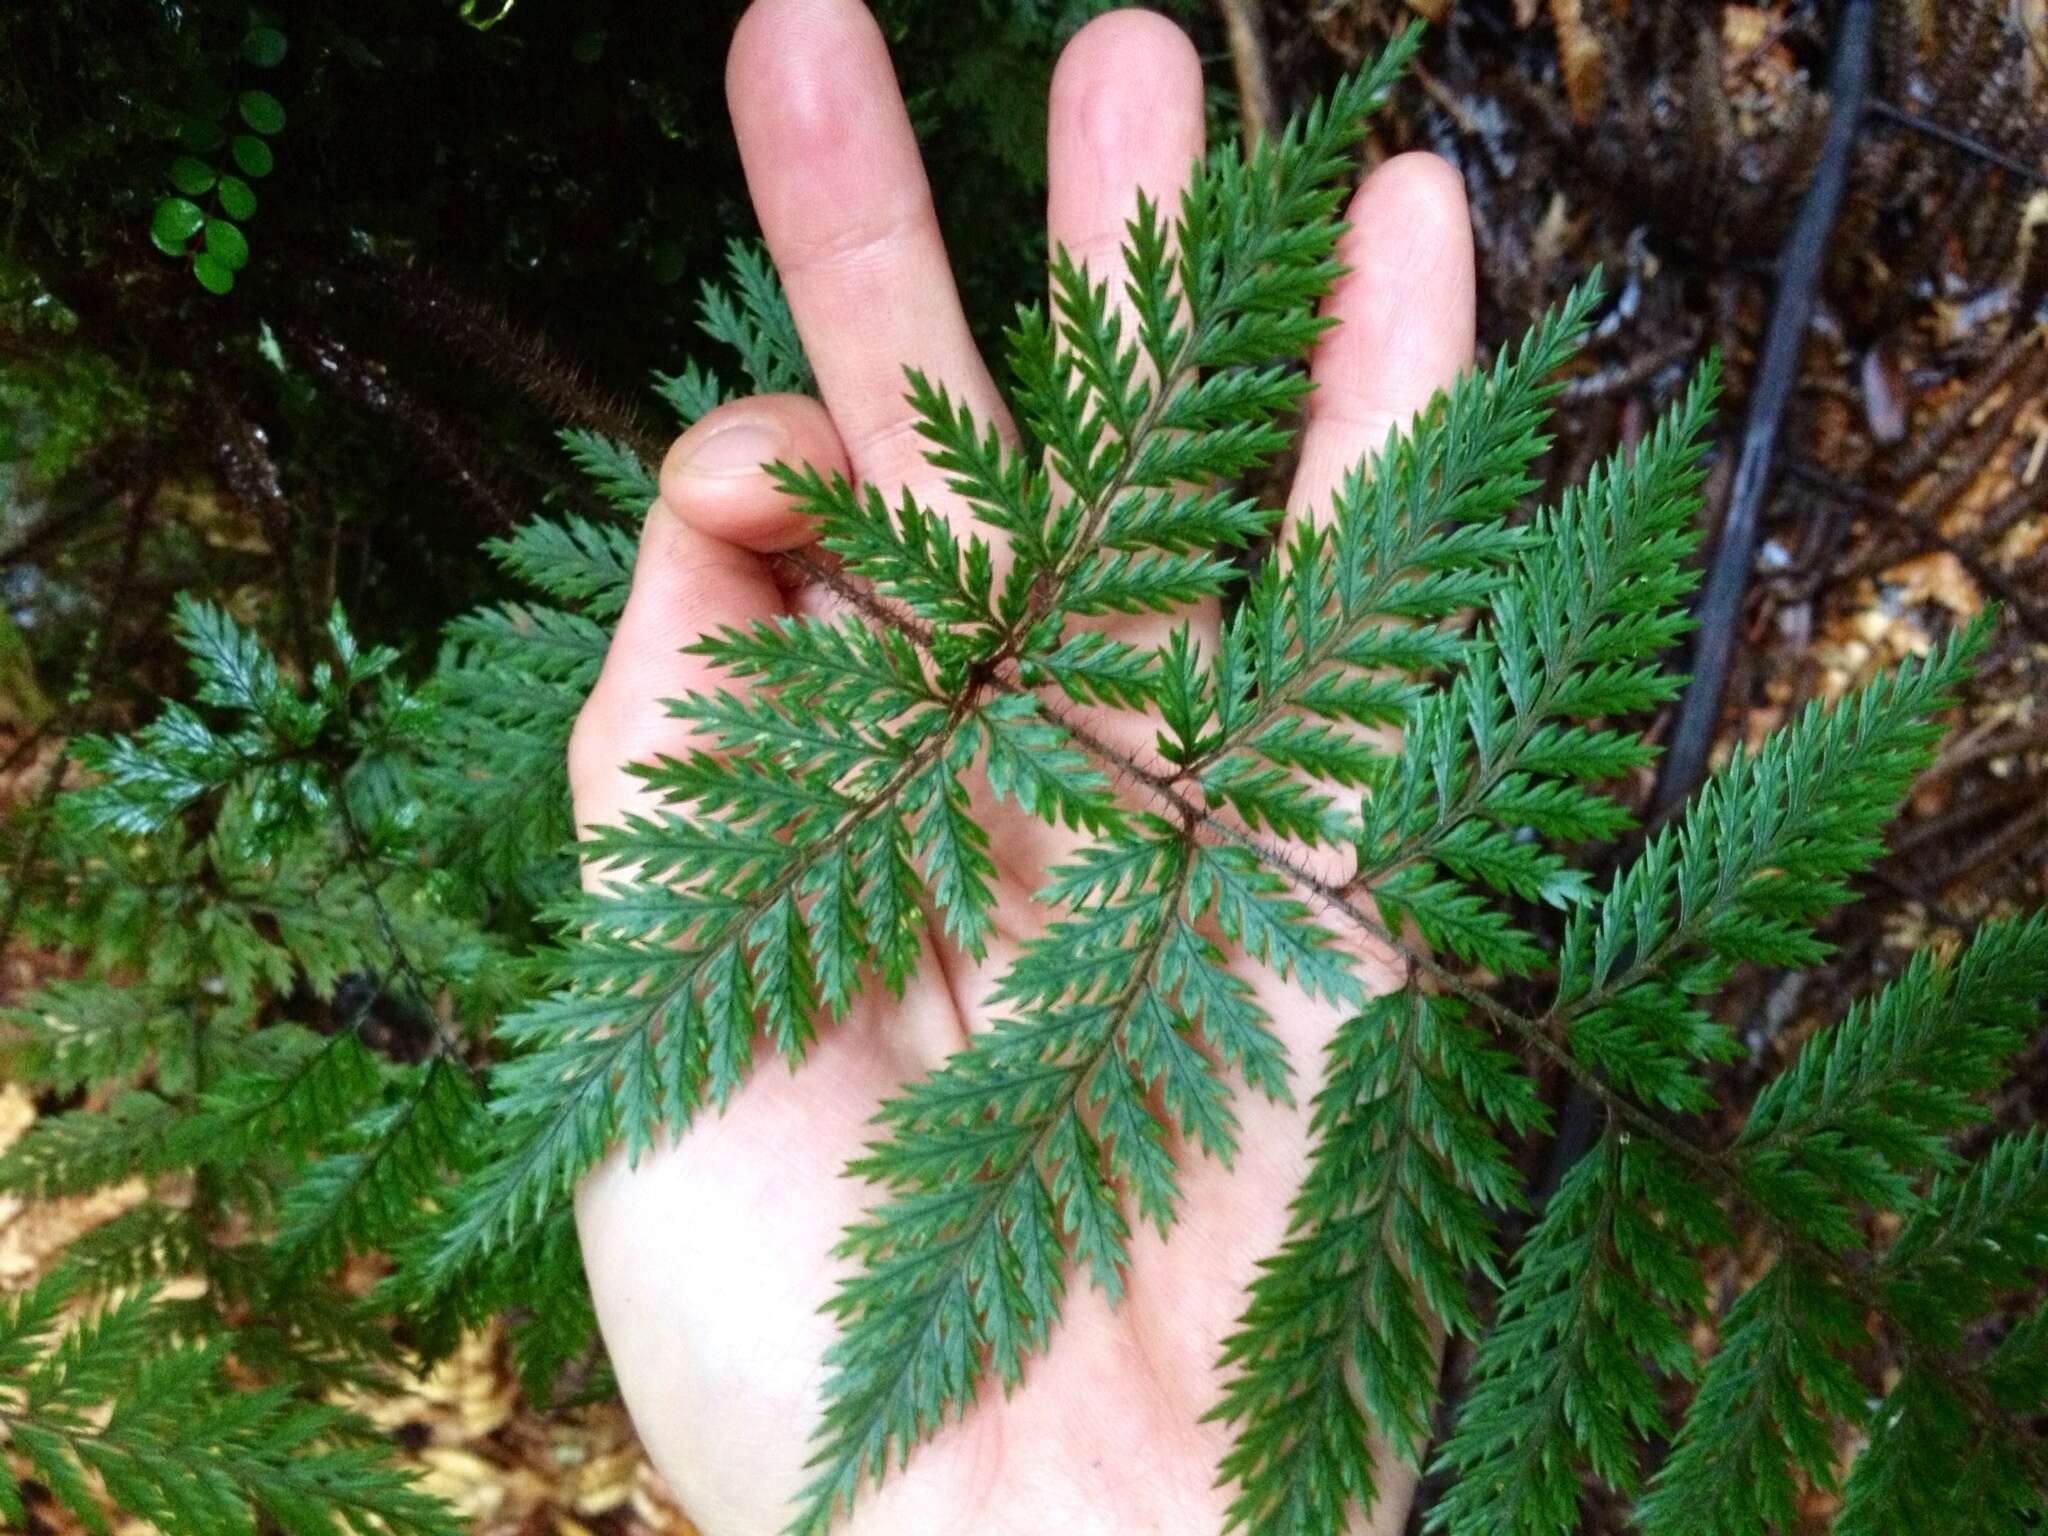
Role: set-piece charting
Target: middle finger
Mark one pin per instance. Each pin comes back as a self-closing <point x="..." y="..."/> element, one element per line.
<point x="1126" y="117"/>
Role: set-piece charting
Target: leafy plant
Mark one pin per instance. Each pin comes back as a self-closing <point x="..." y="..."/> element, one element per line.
<point x="294" y="904"/>
<point x="203" y="132"/>
<point x="306" y="1065"/>
<point x="174" y="1440"/>
<point x="795" y="864"/>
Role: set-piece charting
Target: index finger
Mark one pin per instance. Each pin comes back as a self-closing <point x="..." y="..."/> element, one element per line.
<point x="841" y="193"/>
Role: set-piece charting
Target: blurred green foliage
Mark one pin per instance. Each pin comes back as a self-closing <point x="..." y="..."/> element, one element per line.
<point x="295" y="295"/>
<point x="294" y="303"/>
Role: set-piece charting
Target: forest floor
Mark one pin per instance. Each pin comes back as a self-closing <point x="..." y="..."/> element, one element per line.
<point x="1912" y="486"/>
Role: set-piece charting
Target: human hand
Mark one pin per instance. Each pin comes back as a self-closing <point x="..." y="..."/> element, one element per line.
<point x="710" y="1260"/>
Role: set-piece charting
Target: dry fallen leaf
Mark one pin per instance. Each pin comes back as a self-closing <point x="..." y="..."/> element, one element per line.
<point x="1937" y="577"/>
<point x="1580" y="57"/>
<point x="1745" y="28"/>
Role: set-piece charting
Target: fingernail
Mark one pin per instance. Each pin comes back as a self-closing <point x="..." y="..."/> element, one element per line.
<point x="740" y="449"/>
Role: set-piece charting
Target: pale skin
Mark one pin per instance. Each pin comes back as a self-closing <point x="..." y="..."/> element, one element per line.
<point x="710" y="1259"/>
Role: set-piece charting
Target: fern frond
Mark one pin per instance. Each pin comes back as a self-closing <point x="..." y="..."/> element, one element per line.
<point x="1982" y="1231"/>
<point x="587" y="566"/>
<point x="1765" y="849"/>
<point x="749" y="313"/>
<point x="889" y="827"/>
<point x="1567" y="1380"/>
<point x="1016" y="1149"/>
<point x="614" y="469"/>
<point x="1869" y="1104"/>
<point x="1416" y="539"/>
<point x="1576" y="634"/>
<point x="1393" y="1214"/>
<point x="103" y="1403"/>
<point x="1866" y="1108"/>
<point x="369" y="1182"/>
<point x="1932" y="1464"/>
<point x="1229" y="289"/>
<point x="1766" y="1405"/>
<point x="73" y="1154"/>
<point x="992" y="1166"/>
<point x="75" y="1032"/>
<point x="1579" y="610"/>
<point x="832" y="824"/>
<point x="660" y="1009"/>
<point x="512" y="678"/>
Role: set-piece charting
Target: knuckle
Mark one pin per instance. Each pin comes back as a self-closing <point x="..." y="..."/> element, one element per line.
<point x="590" y="754"/>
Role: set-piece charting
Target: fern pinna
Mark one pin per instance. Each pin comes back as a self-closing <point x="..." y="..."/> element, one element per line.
<point x="1411" y="728"/>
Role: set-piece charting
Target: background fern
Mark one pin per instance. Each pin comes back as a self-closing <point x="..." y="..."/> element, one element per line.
<point x="174" y="1440"/>
<point x="290" y="901"/>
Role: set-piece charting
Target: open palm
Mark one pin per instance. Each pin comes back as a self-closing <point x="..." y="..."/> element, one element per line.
<point x="710" y="1259"/>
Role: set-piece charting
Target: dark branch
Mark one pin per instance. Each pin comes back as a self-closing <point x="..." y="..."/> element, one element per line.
<point x="1957" y="140"/>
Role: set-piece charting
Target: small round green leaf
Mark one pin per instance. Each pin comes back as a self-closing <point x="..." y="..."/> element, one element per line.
<point x="262" y="111"/>
<point x="175" y="221"/>
<point x="252" y="155"/>
<point x="214" y="275"/>
<point x="264" y="47"/>
<point x="191" y="176"/>
<point x="236" y="200"/>
<point x="226" y="244"/>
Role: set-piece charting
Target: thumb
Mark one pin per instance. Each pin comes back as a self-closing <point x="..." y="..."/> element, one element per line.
<point x="715" y="477"/>
<point x="700" y="568"/>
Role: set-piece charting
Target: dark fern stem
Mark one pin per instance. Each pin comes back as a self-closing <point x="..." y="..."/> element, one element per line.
<point x="455" y="455"/>
<point x="1719" y="612"/>
<point x="523" y="360"/>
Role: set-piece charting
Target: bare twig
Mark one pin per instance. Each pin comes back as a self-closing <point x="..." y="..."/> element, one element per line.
<point x="242" y="455"/>
<point x="1241" y="24"/>
<point x="1971" y="558"/>
<point x="1805" y="255"/>
<point x="419" y="297"/>
<point x="1630" y="373"/>
<point x="370" y="385"/>
<point x="84" y="491"/>
<point x="1921" y="454"/>
<point x="1957" y="140"/>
